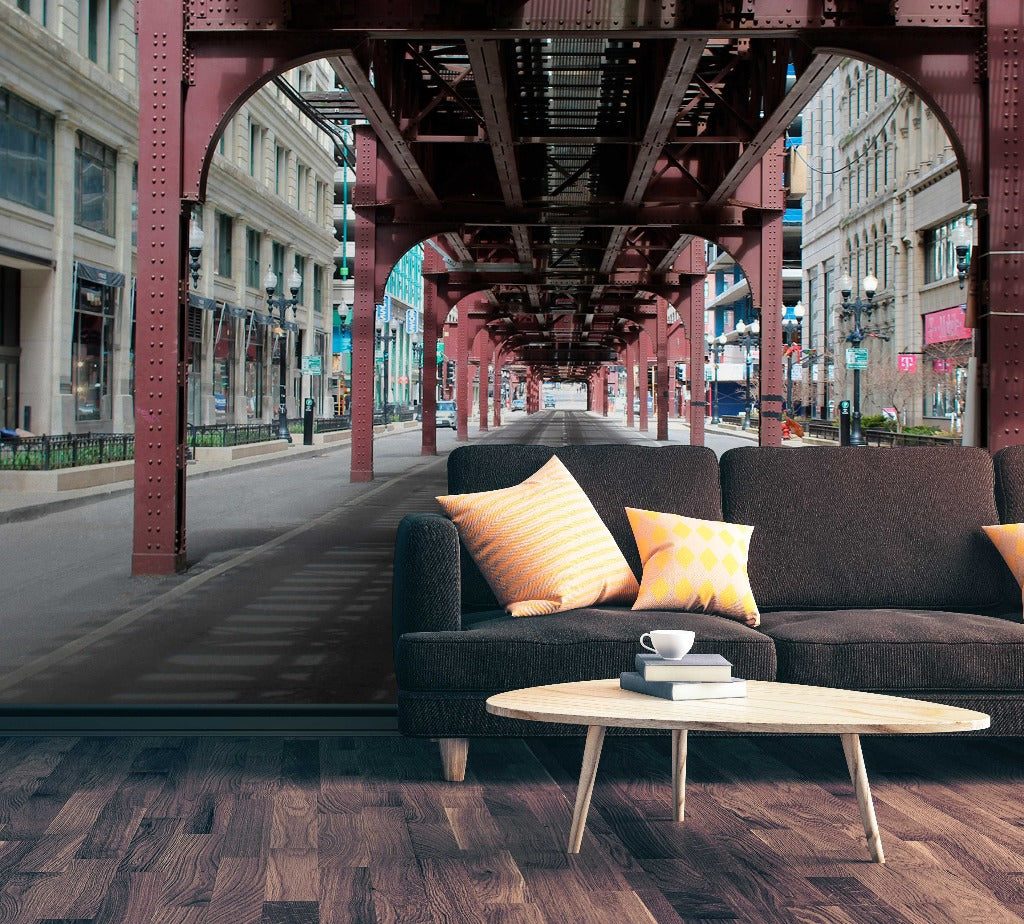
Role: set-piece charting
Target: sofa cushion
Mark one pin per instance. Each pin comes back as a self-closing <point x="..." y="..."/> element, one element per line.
<point x="897" y="649"/>
<point x="1009" y="470"/>
<point x="504" y="653"/>
<point x="676" y="479"/>
<point x="692" y="564"/>
<point x="839" y="527"/>
<point x="541" y="545"/>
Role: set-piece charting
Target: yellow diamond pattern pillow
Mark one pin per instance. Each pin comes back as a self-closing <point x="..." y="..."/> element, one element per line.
<point x="1009" y="540"/>
<point x="541" y="545"/>
<point x="693" y="564"/>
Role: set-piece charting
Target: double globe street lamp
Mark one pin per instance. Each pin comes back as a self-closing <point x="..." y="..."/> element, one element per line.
<point x="746" y="336"/>
<point x="716" y="347"/>
<point x="856" y="308"/>
<point x="792" y="318"/>
<point x="282" y="304"/>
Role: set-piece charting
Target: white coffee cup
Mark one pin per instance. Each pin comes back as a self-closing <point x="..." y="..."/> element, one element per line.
<point x="671" y="644"/>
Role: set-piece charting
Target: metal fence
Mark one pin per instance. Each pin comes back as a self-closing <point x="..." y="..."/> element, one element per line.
<point x="236" y="434"/>
<point x="45" y="453"/>
<point x="878" y="437"/>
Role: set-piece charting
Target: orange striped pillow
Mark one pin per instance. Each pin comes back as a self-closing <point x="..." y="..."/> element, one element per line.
<point x="1008" y="538"/>
<point x="541" y="545"/>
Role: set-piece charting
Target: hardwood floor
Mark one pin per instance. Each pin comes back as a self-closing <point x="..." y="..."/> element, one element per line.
<point x="348" y="830"/>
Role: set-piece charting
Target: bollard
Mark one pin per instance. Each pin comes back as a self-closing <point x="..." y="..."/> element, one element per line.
<point x="844" y="423"/>
<point x="307" y="421"/>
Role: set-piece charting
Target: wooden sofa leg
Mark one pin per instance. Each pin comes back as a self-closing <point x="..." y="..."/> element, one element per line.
<point x="453" y="758"/>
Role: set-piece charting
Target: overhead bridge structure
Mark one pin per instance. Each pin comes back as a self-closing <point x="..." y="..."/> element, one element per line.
<point x="565" y="160"/>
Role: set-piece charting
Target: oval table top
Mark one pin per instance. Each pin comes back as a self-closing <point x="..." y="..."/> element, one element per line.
<point x="767" y="707"/>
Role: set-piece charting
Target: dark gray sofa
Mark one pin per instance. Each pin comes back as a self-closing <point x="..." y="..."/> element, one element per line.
<point x="869" y="566"/>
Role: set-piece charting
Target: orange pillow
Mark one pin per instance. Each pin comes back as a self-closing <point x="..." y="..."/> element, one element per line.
<point x="1009" y="540"/>
<point x="693" y="564"/>
<point x="541" y="545"/>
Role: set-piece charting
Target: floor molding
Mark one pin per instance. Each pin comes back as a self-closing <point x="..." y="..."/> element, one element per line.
<point x="212" y="719"/>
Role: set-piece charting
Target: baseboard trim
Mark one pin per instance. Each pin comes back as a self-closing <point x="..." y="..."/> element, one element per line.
<point x="332" y="720"/>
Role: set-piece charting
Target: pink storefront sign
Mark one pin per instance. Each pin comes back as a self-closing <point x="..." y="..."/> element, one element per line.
<point x="906" y="362"/>
<point x="948" y="324"/>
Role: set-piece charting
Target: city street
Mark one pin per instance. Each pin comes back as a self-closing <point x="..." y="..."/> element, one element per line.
<point x="287" y="597"/>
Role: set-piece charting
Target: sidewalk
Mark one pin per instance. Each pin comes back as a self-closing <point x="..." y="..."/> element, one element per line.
<point x="18" y="506"/>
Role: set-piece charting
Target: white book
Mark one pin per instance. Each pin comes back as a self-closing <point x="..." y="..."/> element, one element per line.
<point x="666" y="689"/>
<point x="702" y="667"/>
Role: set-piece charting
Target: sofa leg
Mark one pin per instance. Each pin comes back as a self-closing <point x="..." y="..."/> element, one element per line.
<point x="453" y="758"/>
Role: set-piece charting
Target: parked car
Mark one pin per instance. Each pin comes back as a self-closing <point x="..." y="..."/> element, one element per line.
<point x="518" y="404"/>
<point x="549" y="401"/>
<point x="445" y="416"/>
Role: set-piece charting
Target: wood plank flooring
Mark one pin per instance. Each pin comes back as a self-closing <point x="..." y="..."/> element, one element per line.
<point x="351" y="830"/>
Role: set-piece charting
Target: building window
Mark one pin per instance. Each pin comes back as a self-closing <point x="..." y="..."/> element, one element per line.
<point x="95" y="185"/>
<point x="26" y="153"/>
<point x="225" y="232"/>
<point x="318" y="287"/>
<point x="253" y="244"/>
<point x="91" y="345"/>
<point x="277" y="265"/>
<point x="256" y="134"/>
<point x="940" y="252"/>
<point x="254" y="368"/>
<point x="301" y="181"/>
<point x="280" y="170"/>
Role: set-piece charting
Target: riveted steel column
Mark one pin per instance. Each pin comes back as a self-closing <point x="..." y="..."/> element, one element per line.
<point x="644" y="369"/>
<point x="363" y="310"/>
<point x="499" y="362"/>
<point x="661" y="364"/>
<point x="630" y="358"/>
<point x="693" y="310"/>
<point x="485" y="349"/>
<point x="462" y="373"/>
<point x="1002" y="233"/>
<point x="159" y="520"/>
<point x="435" y="310"/>
<point x="771" y="397"/>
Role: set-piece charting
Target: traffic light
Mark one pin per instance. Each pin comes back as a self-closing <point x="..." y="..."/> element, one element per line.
<point x="450" y="374"/>
<point x="680" y="374"/>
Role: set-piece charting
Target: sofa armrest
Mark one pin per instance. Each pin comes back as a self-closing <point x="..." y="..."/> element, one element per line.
<point x="427" y="579"/>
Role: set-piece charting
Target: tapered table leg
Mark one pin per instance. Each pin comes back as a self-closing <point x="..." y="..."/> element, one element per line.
<point x="859" y="777"/>
<point x="591" y="757"/>
<point x="678" y="773"/>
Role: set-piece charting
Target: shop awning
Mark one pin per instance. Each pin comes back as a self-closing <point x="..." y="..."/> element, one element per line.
<point x="98" y="275"/>
<point x="201" y="302"/>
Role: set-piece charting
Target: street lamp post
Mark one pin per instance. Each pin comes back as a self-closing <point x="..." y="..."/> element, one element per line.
<point x="282" y="304"/>
<point x="417" y="358"/>
<point x="383" y="342"/>
<point x="747" y="336"/>
<point x="791" y="321"/>
<point x="716" y="346"/>
<point x="854" y="309"/>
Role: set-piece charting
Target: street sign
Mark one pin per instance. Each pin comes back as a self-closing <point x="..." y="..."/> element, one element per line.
<point x="312" y="365"/>
<point x="856" y="358"/>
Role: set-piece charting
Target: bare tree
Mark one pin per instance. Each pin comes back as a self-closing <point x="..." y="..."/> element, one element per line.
<point x="888" y="386"/>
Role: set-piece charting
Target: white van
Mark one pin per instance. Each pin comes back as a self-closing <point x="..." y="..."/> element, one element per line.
<point x="445" y="416"/>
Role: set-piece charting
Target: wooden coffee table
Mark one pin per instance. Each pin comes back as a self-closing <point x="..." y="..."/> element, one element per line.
<point x="779" y="708"/>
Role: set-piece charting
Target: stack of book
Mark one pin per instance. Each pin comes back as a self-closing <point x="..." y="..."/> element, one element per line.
<point x="694" y="676"/>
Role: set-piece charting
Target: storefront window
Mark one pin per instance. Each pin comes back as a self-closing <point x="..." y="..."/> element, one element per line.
<point x="26" y="153"/>
<point x="254" y="368"/>
<point x="223" y="361"/>
<point x="95" y="182"/>
<point x="194" y="359"/>
<point x="92" y="340"/>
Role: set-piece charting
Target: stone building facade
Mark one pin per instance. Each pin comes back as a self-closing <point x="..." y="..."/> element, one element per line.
<point x="883" y="197"/>
<point x="68" y="175"/>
